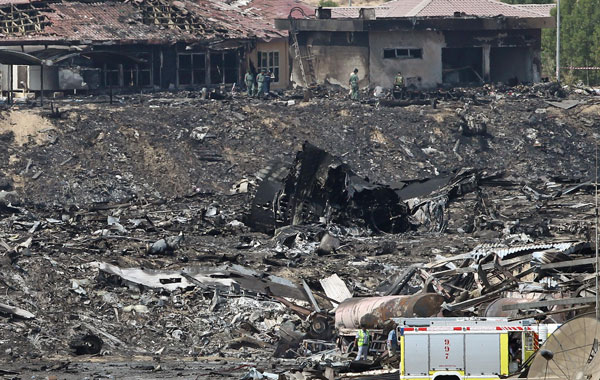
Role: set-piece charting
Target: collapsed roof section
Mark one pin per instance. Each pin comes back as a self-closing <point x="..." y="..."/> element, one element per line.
<point x="147" y="21"/>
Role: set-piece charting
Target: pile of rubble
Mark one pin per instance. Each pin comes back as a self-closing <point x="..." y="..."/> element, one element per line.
<point x="232" y="230"/>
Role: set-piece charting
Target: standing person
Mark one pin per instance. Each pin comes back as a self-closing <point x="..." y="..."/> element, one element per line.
<point x="392" y="341"/>
<point x="354" y="84"/>
<point x="249" y="80"/>
<point x="268" y="78"/>
<point x="362" y="341"/>
<point x="399" y="86"/>
<point x="260" y="83"/>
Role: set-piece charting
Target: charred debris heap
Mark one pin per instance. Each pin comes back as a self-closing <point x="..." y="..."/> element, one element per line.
<point x="134" y="277"/>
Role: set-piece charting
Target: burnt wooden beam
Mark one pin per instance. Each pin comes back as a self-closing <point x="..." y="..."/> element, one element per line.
<point x="570" y="263"/>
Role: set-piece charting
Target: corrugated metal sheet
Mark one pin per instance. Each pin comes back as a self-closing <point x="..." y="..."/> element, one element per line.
<point x="503" y="251"/>
<point x="335" y="288"/>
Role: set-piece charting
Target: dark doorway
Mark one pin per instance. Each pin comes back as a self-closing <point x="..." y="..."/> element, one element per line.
<point x="224" y="67"/>
<point x="216" y="68"/>
<point x="511" y="65"/>
<point x="462" y="65"/>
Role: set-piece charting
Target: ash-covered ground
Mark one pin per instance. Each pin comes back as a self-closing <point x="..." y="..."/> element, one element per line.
<point x="101" y="183"/>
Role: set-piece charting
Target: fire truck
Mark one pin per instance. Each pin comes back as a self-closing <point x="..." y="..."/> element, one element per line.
<point x="464" y="348"/>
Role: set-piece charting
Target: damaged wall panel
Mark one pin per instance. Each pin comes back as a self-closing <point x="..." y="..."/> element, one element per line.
<point x="334" y="56"/>
<point x="425" y="69"/>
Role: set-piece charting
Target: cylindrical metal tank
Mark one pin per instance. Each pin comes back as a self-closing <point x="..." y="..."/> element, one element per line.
<point x="494" y="309"/>
<point x="375" y="311"/>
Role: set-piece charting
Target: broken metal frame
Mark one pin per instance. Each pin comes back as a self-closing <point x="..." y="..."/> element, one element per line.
<point x="165" y="14"/>
<point x="23" y="18"/>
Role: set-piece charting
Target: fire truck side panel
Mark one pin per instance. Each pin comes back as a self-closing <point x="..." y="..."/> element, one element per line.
<point x="447" y="352"/>
<point x="416" y="354"/>
<point x="482" y="354"/>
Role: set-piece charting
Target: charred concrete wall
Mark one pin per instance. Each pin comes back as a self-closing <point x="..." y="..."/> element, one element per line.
<point x="331" y="56"/>
<point x="417" y="54"/>
<point x="427" y="58"/>
<point x="507" y="54"/>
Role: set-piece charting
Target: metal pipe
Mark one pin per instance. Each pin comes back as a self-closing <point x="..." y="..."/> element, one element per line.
<point x="558" y="40"/>
<point x="375" y="311"/>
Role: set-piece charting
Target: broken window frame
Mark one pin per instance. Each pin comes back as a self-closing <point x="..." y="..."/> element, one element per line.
<point x="222" y="72"/>
<point x="196" y="71"/>
<point x="403" y="53"/>
<point x="138" y="74"/>
<point x="268" y="57"/>
<point x="22" y="76"/>
<point x="111" y="72"/>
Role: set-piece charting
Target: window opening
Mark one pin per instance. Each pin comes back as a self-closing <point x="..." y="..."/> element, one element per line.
<point x="270" y="61"/>
<point x="403" y="53"/>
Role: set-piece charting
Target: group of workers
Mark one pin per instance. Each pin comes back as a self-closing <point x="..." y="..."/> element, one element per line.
<point x="261" y="86"/>
<point x="363" y="339"/>
<point x="399" y="86"/>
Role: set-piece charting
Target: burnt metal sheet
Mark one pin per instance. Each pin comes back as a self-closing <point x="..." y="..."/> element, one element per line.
<point x="320" y="188"/>
<point x="503" y="251"/>
<point x="565" y="104"/>
<point x="335" y="288"/>
<point x="221" y="277"/>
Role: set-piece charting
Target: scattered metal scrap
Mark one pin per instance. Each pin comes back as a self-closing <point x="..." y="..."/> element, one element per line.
<point x="492" y="280"/>
<point x="225" y="278"/>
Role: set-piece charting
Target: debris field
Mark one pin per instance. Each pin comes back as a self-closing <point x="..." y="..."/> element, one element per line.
<point x="168" y="235"/>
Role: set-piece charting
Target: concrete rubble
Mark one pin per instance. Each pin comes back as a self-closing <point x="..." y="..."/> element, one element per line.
<point x="127" y="238"/>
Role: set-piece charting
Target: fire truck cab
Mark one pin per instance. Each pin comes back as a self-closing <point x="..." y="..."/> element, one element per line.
<point x="463" y="348"/>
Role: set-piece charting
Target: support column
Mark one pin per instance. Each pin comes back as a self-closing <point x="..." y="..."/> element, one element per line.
<point x="10" y="83"/>
<point x="208" y="68"/>
<point x="42" y="85"/>
<point x="486" y="62"/>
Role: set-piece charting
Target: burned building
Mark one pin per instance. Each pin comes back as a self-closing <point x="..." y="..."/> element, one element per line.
<point x="432" y="42"/>
<point x="139" y="44"/>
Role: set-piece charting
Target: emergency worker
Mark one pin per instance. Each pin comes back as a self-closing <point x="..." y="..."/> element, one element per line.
<point x="362" y="341"/>
<point x="249" y="81"/>
<point x="268" y="78"/>
<point x="392" y="341"/>
<point x="354" y="84"/>
<point x="260" y="83"/>
<point x="399" y="88"/>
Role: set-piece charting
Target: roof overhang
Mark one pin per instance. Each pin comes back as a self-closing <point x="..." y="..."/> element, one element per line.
<point x="12" y="57"/>
<point x="49" y="57"/>
<point x="416" y="23"/>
